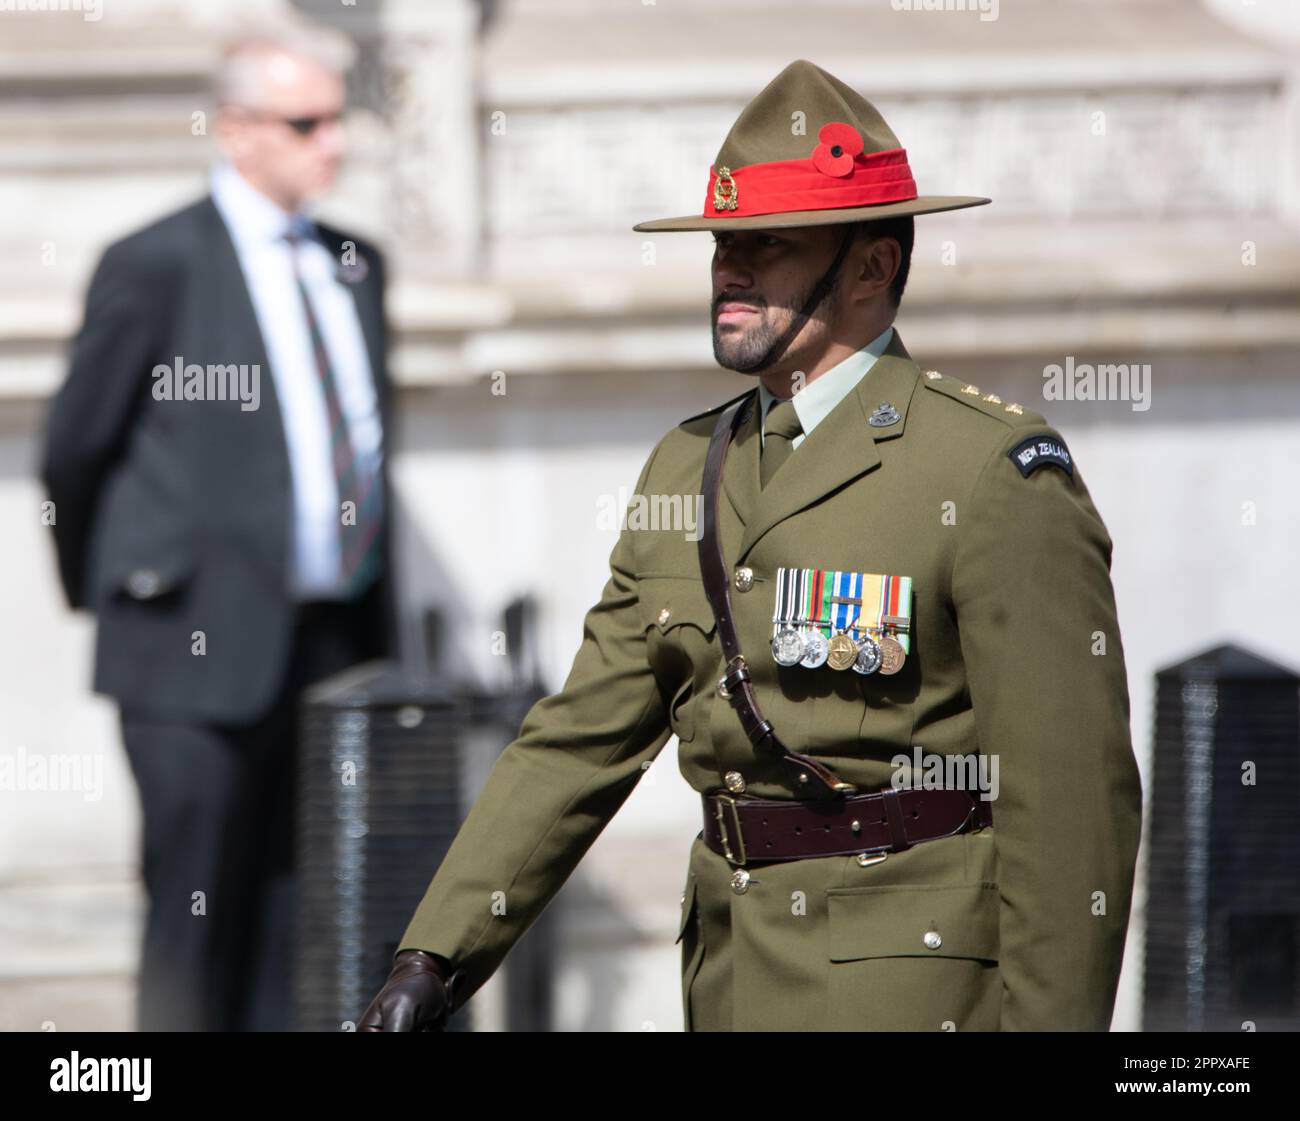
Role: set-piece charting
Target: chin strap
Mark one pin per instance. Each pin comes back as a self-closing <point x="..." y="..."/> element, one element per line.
<point x="820" y="291"/>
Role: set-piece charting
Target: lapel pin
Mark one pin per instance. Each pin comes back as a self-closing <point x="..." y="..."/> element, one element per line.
<point x="352" y="271"/>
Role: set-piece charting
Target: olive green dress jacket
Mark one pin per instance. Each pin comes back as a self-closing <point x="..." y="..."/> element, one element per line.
<point x="1015" y="654"/>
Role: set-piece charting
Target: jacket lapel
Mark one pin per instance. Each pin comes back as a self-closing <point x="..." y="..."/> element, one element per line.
<point x="840" y="449"/>
<point x="240" y="331"/>
<point x="228" y="278"/>
<point x="740" y="479"/>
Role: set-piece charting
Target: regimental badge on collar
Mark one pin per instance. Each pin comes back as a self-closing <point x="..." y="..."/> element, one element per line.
<point x="847" y="620"/>
<point x="884" y="415"/>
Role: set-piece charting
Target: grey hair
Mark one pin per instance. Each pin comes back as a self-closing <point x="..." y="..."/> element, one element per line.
<point x="238" y="77"/>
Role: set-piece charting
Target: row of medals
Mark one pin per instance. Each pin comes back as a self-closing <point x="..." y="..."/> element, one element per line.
<point x="811" y="649"/>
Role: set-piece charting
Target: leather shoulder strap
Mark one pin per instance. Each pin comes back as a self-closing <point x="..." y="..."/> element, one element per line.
<point x="735" y="686"/>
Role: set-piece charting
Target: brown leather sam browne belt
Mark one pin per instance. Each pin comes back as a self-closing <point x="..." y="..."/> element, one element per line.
<point x="758" y="829"/>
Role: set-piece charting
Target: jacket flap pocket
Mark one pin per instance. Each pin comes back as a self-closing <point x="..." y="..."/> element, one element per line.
<point x="688" y="902"/>
<point x="913" y="921"/>
<point x="671" y="601"/>
<point x="151" y="579"/>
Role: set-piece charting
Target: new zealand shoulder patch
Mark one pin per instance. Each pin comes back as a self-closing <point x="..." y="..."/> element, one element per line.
<point x="1034" y="452"/>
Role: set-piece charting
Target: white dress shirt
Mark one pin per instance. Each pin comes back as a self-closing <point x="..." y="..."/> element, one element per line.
<point x="814" y="402"/>
<point x="257" y="226"/>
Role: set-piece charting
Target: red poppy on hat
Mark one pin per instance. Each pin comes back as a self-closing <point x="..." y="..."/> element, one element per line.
<point x="839" y="144"/>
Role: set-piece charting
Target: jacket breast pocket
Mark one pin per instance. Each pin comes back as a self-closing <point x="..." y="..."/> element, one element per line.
<point x="914" y="958"/>
<point x="681" y="644"/>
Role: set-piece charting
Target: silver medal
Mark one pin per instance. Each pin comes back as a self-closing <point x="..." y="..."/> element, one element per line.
<point x="816" y="649"/>
<point x="787" y="646"/>
<point x="869" y="656"/>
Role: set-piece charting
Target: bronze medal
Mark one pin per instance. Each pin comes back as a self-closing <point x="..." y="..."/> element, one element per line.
<point x="892" y="655"/>
<point x="843" y="652"/>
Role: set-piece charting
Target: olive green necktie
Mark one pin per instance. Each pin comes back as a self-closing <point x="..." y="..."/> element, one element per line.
<point x="779" y="430"/>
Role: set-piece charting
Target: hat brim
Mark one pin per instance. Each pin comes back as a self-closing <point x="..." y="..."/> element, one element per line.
<point x="926" y="204"/>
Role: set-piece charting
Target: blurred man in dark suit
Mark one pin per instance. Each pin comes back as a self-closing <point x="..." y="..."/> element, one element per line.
<point x="217" y="462"/>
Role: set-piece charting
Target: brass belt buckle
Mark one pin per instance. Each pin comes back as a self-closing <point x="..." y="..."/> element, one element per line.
<point x="720" y="814"/>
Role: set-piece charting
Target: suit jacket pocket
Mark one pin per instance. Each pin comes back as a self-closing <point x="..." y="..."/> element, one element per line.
<point x="913" y="921"/>
<point x="158" y="578"/>
<point x="914" y="958"/>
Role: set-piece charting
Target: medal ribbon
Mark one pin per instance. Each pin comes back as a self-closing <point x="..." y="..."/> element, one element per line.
<point x="804" y="597"/>
<point x="838" y="615"/>
<point x="895" y="598"/>
<point x="871" y="601"/>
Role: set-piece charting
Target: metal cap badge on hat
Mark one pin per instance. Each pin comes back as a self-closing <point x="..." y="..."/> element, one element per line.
<point x="847" y="167"/>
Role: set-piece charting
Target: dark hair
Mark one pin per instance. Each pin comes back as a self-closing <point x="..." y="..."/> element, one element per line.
<point x="903" y="230"/>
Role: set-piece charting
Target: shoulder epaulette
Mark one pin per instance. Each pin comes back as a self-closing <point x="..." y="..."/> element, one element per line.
<point x="990" y="404"/>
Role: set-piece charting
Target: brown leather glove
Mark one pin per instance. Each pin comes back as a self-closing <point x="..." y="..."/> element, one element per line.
<point x="416" y="997"/>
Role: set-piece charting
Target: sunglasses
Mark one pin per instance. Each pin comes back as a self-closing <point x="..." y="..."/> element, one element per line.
<point x="303" y="126"/>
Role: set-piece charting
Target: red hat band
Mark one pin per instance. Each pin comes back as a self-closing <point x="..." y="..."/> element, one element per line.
<point x="837" y="174"/>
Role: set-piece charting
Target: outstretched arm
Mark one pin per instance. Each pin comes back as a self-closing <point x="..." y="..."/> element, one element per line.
<point x="578" y="755"/>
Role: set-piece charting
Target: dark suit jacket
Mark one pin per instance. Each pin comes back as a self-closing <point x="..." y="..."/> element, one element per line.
<point x="175" y="517"/>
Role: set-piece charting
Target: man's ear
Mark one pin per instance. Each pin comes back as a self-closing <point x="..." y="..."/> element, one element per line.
<point x="877" y="260"/>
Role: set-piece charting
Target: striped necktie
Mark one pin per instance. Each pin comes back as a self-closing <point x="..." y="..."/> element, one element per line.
<point x="357" y="482"/>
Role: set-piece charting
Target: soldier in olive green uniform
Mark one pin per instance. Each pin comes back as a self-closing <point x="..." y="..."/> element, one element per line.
<point x="945" y="539"/>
